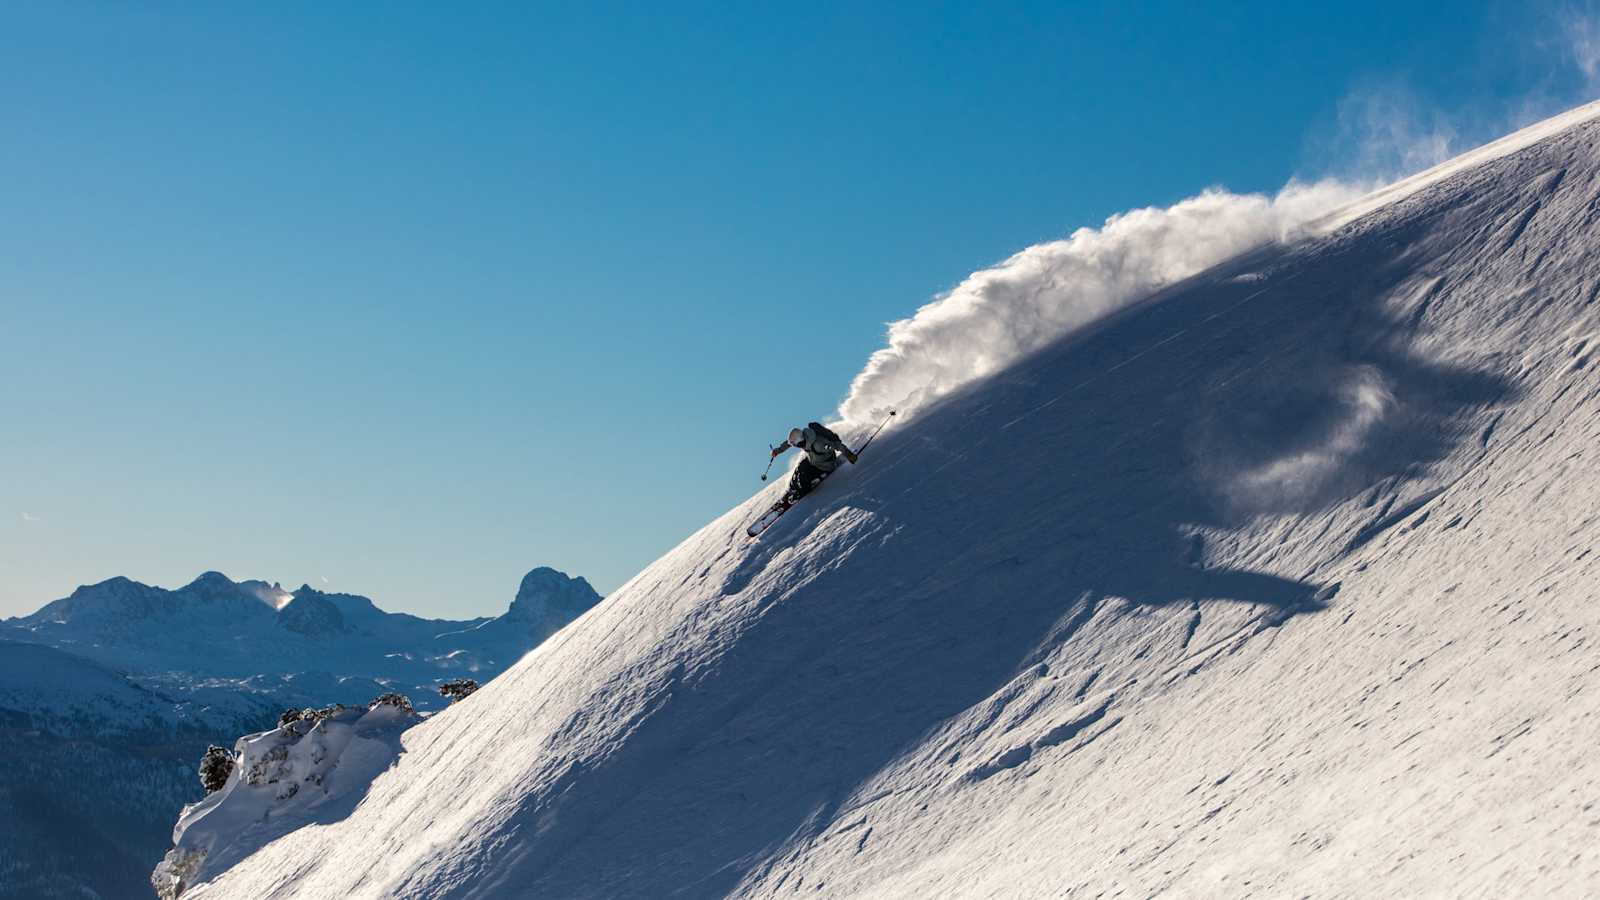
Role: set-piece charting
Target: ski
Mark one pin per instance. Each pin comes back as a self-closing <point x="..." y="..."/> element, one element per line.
<point x="777" y="510"/>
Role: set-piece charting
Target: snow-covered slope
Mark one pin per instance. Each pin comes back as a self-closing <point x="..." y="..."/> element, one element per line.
<point x="63" y="693"/>
<point x="1278" y="584"/>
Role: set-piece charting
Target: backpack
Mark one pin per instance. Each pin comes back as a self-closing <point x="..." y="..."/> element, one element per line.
<point x="820" y="430"/>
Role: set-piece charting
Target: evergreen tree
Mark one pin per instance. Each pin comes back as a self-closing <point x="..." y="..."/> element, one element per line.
<point x="215" y="767"/>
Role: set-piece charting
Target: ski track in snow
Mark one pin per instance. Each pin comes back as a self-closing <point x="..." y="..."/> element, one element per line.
<point x="1194" y="603"/>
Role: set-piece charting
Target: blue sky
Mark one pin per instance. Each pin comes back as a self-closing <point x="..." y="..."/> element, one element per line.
<point x="405" y="300"/>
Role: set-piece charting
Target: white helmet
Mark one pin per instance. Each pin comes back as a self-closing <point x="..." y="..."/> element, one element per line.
<point x="796" y="437"/>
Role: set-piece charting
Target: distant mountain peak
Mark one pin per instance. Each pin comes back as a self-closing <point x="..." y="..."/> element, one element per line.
<point x="312" y="614"/>
<point x="116" y="583"/>
<point x="273" y="595"/>
<point x="210" y="580"/>
<point x="114" y="598"/>
<point x="546" y="593"/>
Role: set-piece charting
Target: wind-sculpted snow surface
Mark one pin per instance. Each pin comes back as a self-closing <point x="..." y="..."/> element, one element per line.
<point x="999" y="315"/>
<point x="1279" y="584"/>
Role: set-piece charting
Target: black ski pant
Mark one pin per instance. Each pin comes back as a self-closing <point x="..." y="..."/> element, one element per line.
<point x="805" y="479"/>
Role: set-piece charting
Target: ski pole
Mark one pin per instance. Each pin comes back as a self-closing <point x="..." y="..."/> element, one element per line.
<point x="771" y="457"/>
<point x="875" y="433"/>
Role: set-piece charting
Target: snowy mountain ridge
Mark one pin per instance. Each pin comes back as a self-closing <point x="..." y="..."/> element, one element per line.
<point x="63" y="693"/>
<point x="1278" y="581"/>
<point x="253" y="635"/>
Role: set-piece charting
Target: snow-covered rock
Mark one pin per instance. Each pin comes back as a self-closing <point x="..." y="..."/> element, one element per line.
<point x="310" y="769"/>
<point x="1280" y="583"/>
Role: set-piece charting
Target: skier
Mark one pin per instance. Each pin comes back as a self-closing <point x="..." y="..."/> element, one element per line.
<point x="822" y="449"/>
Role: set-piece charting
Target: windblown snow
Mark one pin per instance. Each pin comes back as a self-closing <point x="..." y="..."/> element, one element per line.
<point x="999" y="315"/>
<point x="1279" y="581"/>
